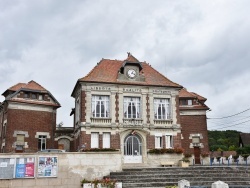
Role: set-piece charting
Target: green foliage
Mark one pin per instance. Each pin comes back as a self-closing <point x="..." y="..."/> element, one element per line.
<point x="244" y="150"/>
<point x="165" y="150"/>
<point x="223" y="140"/>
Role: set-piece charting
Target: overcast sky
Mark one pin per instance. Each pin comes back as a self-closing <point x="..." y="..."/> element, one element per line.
<point x="202" y="45"/>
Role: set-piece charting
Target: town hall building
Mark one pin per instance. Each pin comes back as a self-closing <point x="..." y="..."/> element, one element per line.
<point x="129" y="106"/>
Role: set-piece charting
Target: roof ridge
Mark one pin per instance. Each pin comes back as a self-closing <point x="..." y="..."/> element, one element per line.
<point x="32" y="81"/>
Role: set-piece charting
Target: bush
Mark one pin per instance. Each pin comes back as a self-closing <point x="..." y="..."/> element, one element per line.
<point x="164" y="151"/>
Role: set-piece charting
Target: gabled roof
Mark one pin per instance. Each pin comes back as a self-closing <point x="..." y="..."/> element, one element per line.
<point x="184" y="94"/>
<point x="245" y="139"/>
<point x="31" y="86"/>
<point x="106" y="71"/>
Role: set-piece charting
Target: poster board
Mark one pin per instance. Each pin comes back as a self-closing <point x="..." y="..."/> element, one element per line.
<point x="25" y="167"/>
<point x="7" y="166"/>
<point x="47" y="166"/>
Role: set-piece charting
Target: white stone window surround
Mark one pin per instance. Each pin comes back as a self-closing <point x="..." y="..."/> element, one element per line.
<point x="42" y="134"/>
<point x="100" y="106"/>
<point x="132" y="107"/>
<point x="198" y="136"/>
<point x="162" y="108"/>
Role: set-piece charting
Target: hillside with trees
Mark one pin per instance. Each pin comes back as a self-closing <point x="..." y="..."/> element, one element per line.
<point x="223" y="140"/>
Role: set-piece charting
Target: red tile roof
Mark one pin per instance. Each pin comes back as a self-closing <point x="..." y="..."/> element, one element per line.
<point x="199" y="97"/>
<point x="30" y="85"/>
<point x="191" y="95"/>
<point x="107" y="71"/>
<point x="185" y="94"/>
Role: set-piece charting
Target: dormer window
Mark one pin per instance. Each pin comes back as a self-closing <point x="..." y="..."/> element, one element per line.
<point x="33" y="96"/>
<point x="186" y="102"/>
<point x="40" y="97"/>
<point x="26" y="95"/>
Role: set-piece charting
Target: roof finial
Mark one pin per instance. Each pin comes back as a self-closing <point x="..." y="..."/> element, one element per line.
<point x="128" y="54"/>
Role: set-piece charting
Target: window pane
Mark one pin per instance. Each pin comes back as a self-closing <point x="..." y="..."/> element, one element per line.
<point x="132" y="107"/>
<point x="106" y="140"/>
<point x="100" y="106"/>
<point x="162" y="109"/>
<point x="94" y="140"/>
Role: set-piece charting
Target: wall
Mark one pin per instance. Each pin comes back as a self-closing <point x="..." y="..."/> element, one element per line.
<point x="193" y="124"/>
<point x="72" y="168"/>
<point x="32" y="122"/>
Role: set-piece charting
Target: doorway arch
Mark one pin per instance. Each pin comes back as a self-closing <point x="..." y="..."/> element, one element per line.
<point x="132" y="149"/>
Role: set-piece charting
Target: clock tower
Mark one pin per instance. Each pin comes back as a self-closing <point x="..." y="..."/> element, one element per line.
<point x="131" y="70"/>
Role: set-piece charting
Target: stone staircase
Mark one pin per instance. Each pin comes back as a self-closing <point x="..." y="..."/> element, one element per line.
<point x="198" y="176"/>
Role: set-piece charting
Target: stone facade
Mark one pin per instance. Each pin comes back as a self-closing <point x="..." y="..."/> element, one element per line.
<point x="160" y="121"/>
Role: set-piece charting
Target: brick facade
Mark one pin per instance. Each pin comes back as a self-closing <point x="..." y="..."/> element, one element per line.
<point x="32" y="122"/>
<point x="194" y="124"/>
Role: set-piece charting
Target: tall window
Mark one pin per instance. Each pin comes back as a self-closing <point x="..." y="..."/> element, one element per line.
<point x="132" y="107"/>
<point x="94" y="140"/>
<point x="162" y="109"/>
<point x="77" y="110"/>
<point x="158" y="140"/>
<point x="100" y="106"/>
<point x="106" y="140"/>
<point x="169" y="141"/>
<point x="42" y="142"/>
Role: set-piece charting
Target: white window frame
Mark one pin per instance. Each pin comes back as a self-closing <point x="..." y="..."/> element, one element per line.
<point x="94" y="140"/>
<point x="189" y="102"/>
<point x="132" y="104"/>
<point x="162" y="108"/>
<point x="42" y="139"/>
<point x="158" y="141"/>
<point x="106" y="140"/>
<point x="99" y="103"/>
<point x="169" y="140"/>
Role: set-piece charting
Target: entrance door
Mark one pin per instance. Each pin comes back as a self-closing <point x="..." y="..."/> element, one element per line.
<point x="197" y="153"/>
<point x="132" y="149"/>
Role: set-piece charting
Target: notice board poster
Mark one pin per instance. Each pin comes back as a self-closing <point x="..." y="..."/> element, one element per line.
<point x="47" y="166"/>
<point x="25" y="167"/>
<point x="7" y="166"/>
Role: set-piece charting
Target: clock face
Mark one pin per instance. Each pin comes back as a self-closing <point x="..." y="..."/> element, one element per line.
<point x="131" y="73"/>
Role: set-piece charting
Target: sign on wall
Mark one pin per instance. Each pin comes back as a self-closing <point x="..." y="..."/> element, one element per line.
<point x="25" y="167"/>
<point x="7" y="166"/>
<point x="47" y="166"/>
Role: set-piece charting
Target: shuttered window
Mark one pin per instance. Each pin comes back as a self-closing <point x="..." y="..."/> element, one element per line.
<point x="158" y="140"/>
<point x="106" y="140"/>
<point x="94" y="140"/>
<point x="169" y="141"/>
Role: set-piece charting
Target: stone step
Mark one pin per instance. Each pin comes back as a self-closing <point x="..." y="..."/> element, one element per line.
<point x="197" y="176"/>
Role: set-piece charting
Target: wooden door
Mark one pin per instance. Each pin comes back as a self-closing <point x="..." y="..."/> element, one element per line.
<point x="197" y="153"/>
<point x="60" y="146"/>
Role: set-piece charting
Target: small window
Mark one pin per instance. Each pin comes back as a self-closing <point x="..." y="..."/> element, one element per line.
<point x="158" y="141"/>
<point x="40" y="97"/>
<point x="94" y="140"/>
<point x="106" y="140"/>
<point x="41" y="142"/>
<point x="169" y="141"/>
<point x="26" y="95"/>
<point x="33" y="96"/>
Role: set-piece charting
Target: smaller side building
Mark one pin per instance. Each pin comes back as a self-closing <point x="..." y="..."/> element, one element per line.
<point x="28" y="118"/>
<point x="193" y="123"/>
